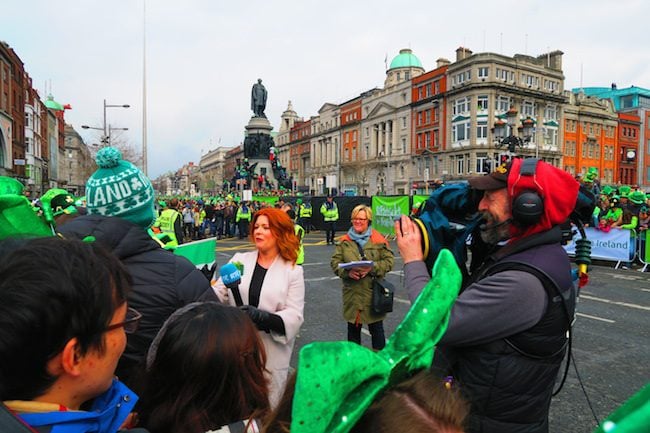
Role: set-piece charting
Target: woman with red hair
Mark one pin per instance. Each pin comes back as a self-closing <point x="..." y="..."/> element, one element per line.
<point x="272" y="290"/>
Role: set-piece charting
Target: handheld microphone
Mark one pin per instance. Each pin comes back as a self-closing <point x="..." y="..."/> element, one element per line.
<point x="484" y="227"/>
<point x="231" y="278"/>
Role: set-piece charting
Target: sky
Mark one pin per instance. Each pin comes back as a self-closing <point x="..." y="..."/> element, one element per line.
<point x="203" y="56"/>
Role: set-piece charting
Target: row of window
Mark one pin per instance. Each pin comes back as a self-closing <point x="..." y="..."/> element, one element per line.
<point x="461" y="106"/>
<point x="629" y="132"/>
<point x="507" y="75"/>
<point x="428" y="90"/>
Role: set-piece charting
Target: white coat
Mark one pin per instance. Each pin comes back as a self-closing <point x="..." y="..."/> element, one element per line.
<point x="283" y="293"/>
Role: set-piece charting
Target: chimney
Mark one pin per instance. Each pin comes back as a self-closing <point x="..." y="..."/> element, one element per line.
<point x="462" y="53"/>
<point x="442" y="62"/>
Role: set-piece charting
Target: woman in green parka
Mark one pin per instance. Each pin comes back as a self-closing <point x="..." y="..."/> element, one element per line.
<point x="362" y="242"/>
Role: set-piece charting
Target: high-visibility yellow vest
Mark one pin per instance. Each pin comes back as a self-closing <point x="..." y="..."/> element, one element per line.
<point x="166" y="222"/>
<point x="300" y="232"/>
<point x="305" y="212"/>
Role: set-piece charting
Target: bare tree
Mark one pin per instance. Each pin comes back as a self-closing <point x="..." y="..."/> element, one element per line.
<point x="118" y="140"/>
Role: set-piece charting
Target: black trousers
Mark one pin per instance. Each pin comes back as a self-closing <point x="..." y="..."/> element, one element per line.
<point x="376" y="333"/>
<point x="330" y="230"/>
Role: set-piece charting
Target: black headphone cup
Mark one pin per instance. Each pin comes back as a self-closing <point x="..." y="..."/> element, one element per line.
<point x="527" y="208"/>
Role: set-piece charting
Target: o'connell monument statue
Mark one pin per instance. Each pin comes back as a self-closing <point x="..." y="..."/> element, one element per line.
<point x="258" y="99"/>
<point x="258" y="131"/>
<point x="258" y="141"/>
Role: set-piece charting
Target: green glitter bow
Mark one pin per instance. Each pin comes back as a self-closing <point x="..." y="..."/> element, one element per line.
<point x="632" y="417"/>
<point x="337" y="381"/>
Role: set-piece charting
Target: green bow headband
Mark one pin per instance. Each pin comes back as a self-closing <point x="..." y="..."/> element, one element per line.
<point x="337" y="381"/>
<point x="632" y="417"/>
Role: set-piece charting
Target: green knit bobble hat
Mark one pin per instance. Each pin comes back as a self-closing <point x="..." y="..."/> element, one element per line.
<point x="119" y="188"/>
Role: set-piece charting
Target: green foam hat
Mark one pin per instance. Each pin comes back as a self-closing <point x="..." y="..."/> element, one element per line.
<point x="624" y="191"/>
<point x="591" y="175"/>
<point x="607" y="190"/>
<point x="637" y="197"/>
<point x="10" y="185"/>
<point x="55" y="202"/>
<point x="18" y="219"/>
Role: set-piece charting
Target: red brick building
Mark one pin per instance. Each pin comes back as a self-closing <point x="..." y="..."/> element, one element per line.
<point x="12" y="113"/>
<point x="299" y="150"/>
<point x="629" y="125"/>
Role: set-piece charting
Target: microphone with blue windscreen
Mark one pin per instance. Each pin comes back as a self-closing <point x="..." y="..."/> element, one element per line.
<point x="231" y="277"/>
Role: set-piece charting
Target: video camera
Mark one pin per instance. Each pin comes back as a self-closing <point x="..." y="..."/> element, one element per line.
<point x="450" y="216"/>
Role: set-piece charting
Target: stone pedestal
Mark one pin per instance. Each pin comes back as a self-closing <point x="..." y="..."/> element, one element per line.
<point x="257" y="146"/>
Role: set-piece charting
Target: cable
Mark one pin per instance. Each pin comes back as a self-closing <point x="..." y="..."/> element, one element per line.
<point x="584" y="391"/>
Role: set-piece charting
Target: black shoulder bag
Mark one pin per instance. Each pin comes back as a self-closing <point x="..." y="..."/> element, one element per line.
<point x="383" y="291"/>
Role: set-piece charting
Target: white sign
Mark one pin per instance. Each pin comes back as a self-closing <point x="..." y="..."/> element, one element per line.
<point x="247" y="195"/>
<point x="426" y="174"/>
<point x="330" y="181"/>
<point x="613" y="245"/>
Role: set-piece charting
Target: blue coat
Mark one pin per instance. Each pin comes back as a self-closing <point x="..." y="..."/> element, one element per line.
<point x="107" y="414"/>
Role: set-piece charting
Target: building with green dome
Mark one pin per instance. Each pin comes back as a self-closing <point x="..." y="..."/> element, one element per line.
<point x="403" y="67"/>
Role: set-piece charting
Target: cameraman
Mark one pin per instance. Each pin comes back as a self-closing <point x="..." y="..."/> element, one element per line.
<point x="507" y="332"/>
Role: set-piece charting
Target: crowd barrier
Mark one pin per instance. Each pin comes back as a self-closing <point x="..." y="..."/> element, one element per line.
<point x="617" y="245"/>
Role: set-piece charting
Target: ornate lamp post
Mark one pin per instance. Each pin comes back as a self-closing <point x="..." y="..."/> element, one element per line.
<point x="504" y="132"/>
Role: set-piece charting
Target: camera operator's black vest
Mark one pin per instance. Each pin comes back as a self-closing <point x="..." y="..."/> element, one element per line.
<point x="509" y="382"/>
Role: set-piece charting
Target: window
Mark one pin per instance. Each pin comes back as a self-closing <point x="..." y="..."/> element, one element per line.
<point x="427" y="90"/>
<point x="420" y="92"/>
<point x="436" y="87"/>
<point x="428" y="139"/>
<point x="481" y="130"/>
<point x="550" y="136"/>
<point x="502" y="74"/>
<point x="419" y="141"/>
<point x="436" y="114"/>
<point x="482" y="102"/>
<point x="436" y="138"/>
<point x="367" y="132"/>
<point x="503" y="103"/>
<point x="551" y="85"/>
<point x="403" y="145"/>
<point x="407" y="75"/>
<point x="460" y="164"/>
<point x="460" y="106"/>
<point x="483" y="72"/>
<point x="528" y="108"/>
<point x="482" y="165"/>
<point x="427" y="117"/>
<point x="550" y="112"/>
<point x="460" y="131"/>
<point x="404" y="122"/>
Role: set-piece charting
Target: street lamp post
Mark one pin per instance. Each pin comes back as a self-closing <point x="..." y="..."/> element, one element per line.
<point x="504" y="132"/>
<point x="111" y="106"/>
<point x="106" y="139"/>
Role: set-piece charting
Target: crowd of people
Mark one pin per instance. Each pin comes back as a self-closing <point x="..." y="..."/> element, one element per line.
<point x="102" y="329"/>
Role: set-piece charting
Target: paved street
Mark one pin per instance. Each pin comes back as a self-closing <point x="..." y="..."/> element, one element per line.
<point x="611" y="335"/>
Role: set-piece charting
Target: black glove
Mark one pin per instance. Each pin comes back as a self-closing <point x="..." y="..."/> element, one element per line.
<point x="264" y="320"/>
<point x="209" y="272"/>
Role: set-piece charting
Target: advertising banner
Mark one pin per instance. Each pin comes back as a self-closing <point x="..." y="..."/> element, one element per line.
<point x="385" y="210"/>
<point x="613" y="245"/>
<point x="419" y="199"/>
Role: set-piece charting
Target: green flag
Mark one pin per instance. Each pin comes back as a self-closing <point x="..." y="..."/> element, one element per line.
<point x="200" y="253"/>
